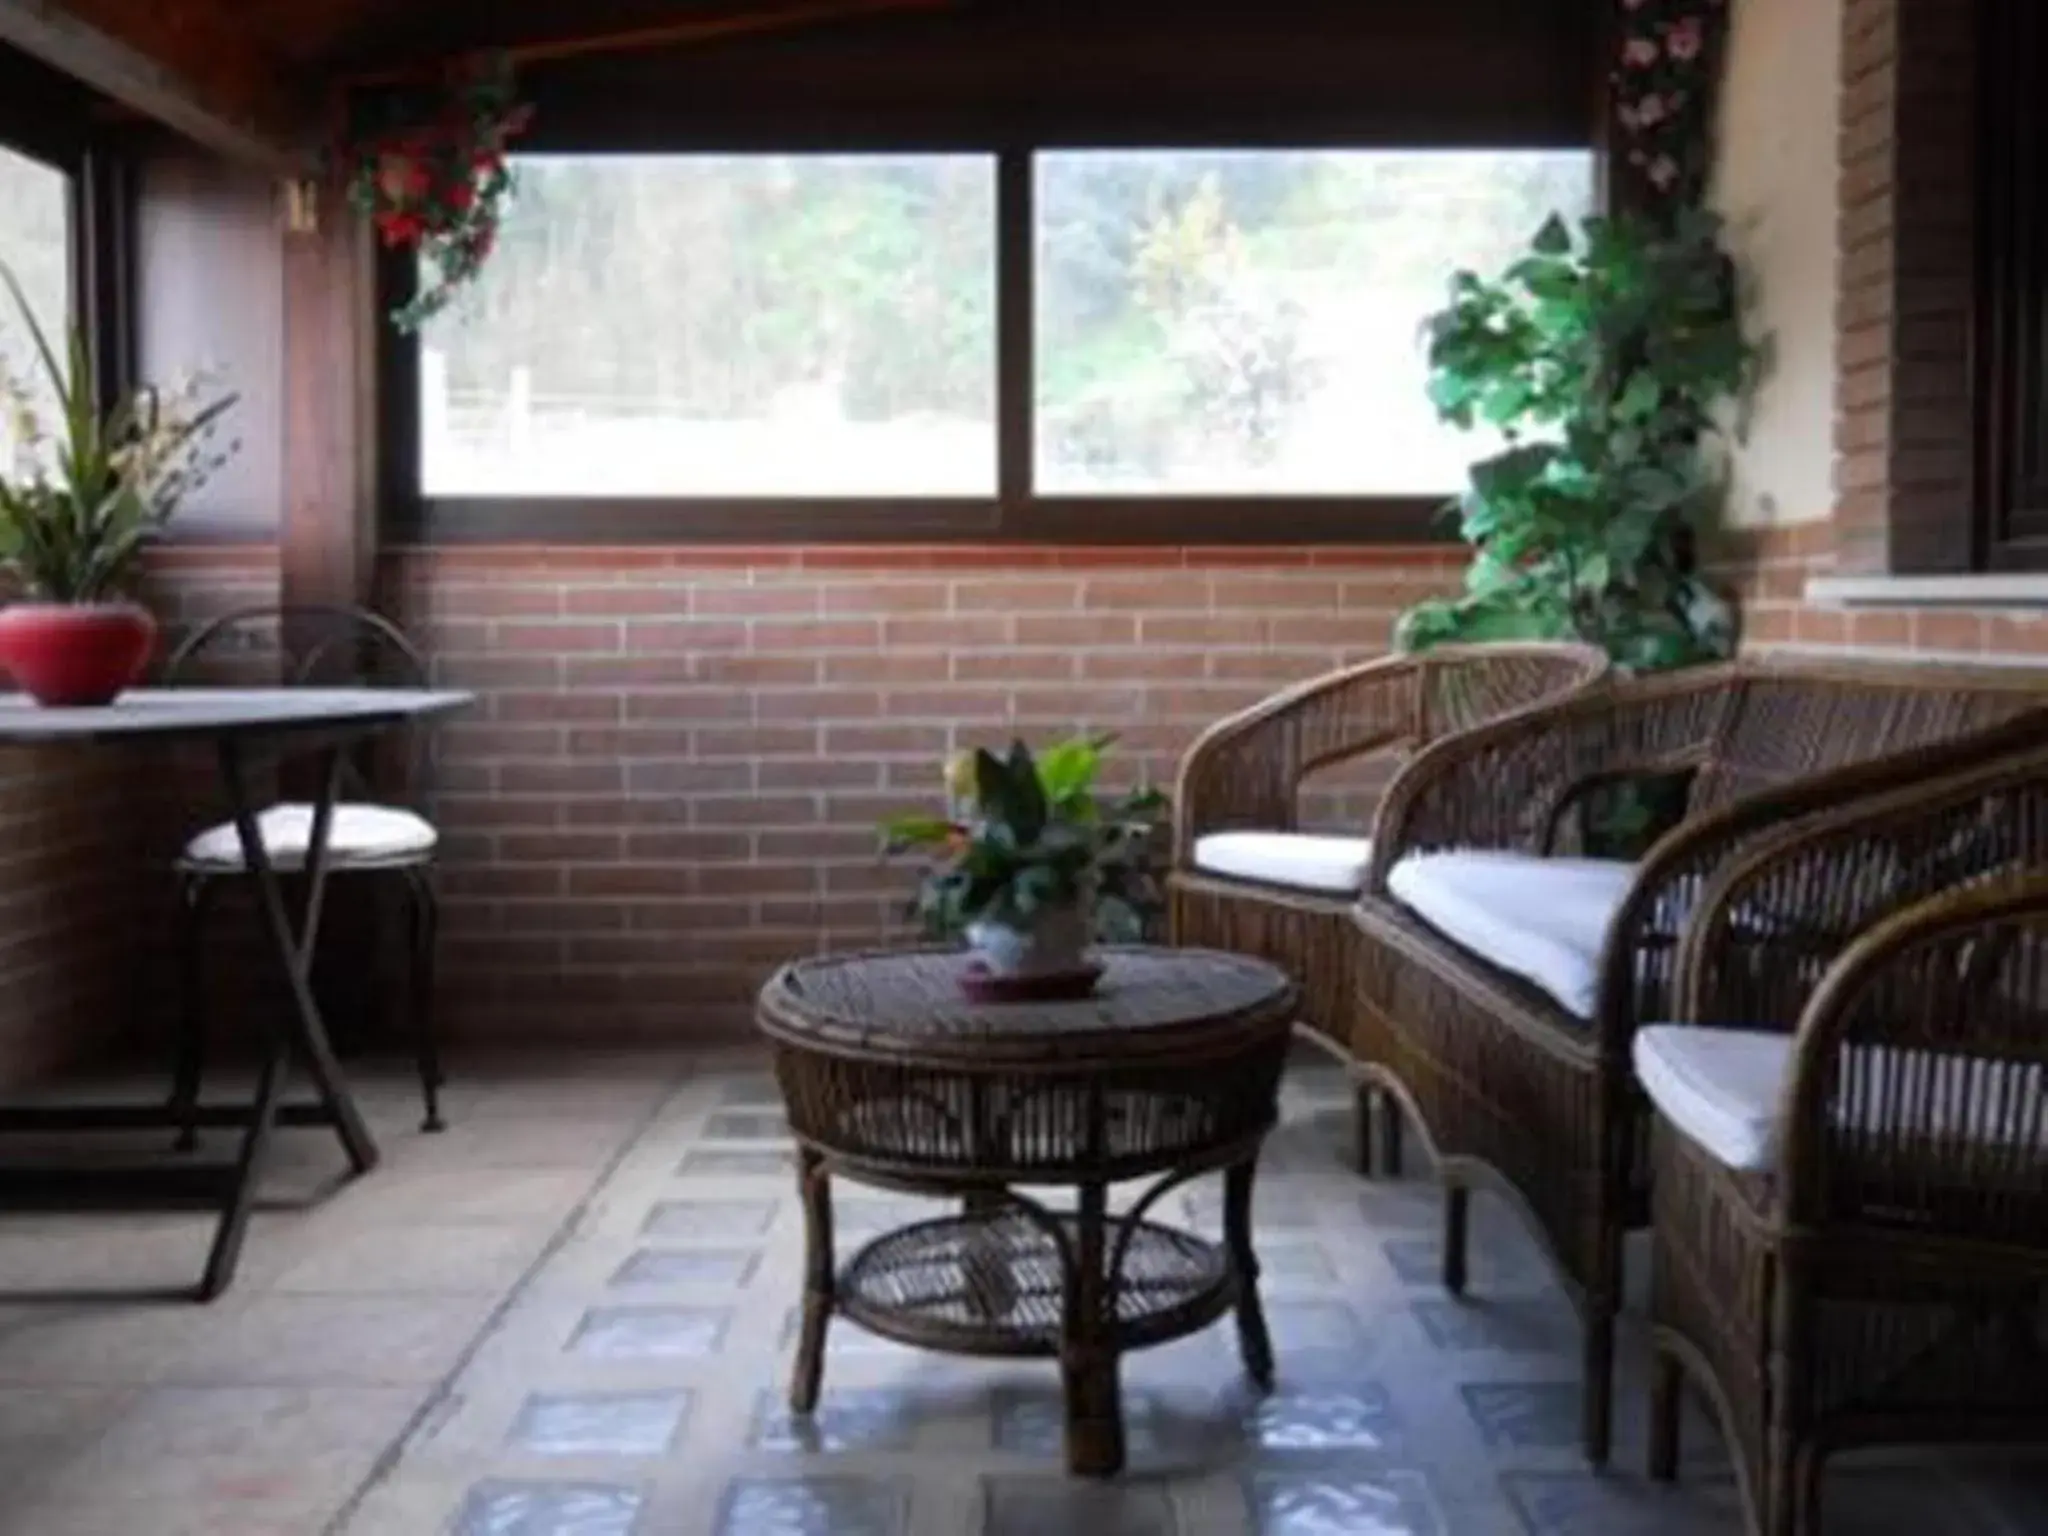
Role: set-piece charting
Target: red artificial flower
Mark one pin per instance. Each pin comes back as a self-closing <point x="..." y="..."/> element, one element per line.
<point x="400" y="228"/>
<point x="401" y="178"/>
<point x="462" y="196"/>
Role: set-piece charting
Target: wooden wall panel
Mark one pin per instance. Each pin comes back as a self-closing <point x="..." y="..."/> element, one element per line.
<point x="329" y="530"/>
<point x="209" y="276"/>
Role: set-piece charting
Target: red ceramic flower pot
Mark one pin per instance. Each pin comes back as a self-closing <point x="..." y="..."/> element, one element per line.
<point x="75" y="653"/>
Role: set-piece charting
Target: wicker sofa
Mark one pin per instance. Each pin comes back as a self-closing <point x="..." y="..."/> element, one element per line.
<point x="1246" y="879"/>
<point x="1498" y="981"/>
<point x="1850" y="1237"/>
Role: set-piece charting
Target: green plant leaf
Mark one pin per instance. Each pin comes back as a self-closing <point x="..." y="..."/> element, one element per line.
<point x="1554" y="238"/>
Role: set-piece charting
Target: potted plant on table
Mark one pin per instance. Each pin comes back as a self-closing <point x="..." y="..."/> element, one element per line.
<point x="1031" y="865"/>
<point x="79" y="505"/>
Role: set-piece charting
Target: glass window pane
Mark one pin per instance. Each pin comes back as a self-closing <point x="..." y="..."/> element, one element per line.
<point x="725" y="325"/>
<point x="1251" y="321"/>
<point x="35" y="244"/>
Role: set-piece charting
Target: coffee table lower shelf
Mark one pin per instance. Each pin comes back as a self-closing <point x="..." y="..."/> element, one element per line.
<point x="994" y="1284"/>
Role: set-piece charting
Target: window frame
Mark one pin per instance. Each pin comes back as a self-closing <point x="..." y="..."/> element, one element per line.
<point x="2011" y="313"/>
<point x="49" y="119"/>
<point x="586" y="118"/>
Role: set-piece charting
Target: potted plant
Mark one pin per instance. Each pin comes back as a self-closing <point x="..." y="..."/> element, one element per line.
<point x="1609" y="360"/>
<point x="77" y="507"/>
<point x="1032" y="864"/>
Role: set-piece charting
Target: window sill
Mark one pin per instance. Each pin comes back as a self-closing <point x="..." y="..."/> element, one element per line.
<point x="1167" y="521"/>
<point x="2015" y="589"/>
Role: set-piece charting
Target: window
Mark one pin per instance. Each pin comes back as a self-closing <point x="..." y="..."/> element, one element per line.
<point x="1250" y="322"/>
<point x="35" y="245"/>
<point x="1044" y="343"/>
<point x="725" y="326"/>
<point x="2013" y="290"/>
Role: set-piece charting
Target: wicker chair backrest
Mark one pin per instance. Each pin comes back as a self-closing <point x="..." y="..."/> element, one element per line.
<point x="1466" y="686"/>
<point x="1787" y="724"/>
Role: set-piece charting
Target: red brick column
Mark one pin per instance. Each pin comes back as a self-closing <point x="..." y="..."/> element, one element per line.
<point x="1905" y="312"/>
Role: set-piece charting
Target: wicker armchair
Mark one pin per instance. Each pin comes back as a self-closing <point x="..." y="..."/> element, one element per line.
<point x="1851" y="1227"/>
<point x="1247" y="881"/>
<point x="1499" y="984"/>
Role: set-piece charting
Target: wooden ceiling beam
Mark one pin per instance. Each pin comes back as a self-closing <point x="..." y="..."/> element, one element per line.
<point x="544" y="31"/>
<point x="185" y="63"/>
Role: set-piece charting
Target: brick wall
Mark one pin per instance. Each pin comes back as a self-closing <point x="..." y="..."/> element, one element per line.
<point x="1904" y="430"/>
<point x="672" y="777"/>
<point x="1767" y="570"/>
<point x="85" y="837"/>
<point x="65" y="909"/>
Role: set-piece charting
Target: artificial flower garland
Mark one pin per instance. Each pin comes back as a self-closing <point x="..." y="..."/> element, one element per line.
<point x="1665" y="81"/>
<point x="434" y="181"/>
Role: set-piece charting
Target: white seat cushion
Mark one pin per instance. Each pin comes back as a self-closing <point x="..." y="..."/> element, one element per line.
<point x="359" y="835"/>
<point x="1725" y="1089"/>
<point x="1542" y="919"/>
<point x="1298" y="860"/>
<point x="1720" y="1087"/>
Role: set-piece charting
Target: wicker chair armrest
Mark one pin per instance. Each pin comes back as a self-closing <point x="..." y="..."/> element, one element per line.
<point x="1920" y="1067"/>
<point x="1641" y="963"/>
<point x="1773" y="921"/>
<point x="1245" y="770"/>
<point x="1506" y="784"/>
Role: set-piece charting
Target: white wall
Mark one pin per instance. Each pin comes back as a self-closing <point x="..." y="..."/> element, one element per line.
<point x="1776" y="186"/>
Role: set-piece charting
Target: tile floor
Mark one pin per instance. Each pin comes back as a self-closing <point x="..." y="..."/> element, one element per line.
<point x="572" y="1316"/>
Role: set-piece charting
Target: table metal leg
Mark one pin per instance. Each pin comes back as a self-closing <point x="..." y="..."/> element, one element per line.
<point x="294" y="950"/>
<point x="814" y="1183"/>
<point x="303" y="1035"/>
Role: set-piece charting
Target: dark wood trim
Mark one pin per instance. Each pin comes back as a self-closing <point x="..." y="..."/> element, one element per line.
<point x="1316" y="73"/>
<point x="1236" y="520"/>
<point x="42" y="113"/>
<point x="103" y="221"/>
<point x="1044" y="520"/>
<point x="397" y="370"/>
<point x="328" y="535"/>
<point x="189" y="66"/>
<point x="2010" y="530"/>
<point x="1016" y="328"/>
<point x="1135" y="73"/>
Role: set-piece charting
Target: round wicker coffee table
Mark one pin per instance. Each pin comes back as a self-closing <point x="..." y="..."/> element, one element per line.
<point x="891" y="1077"/>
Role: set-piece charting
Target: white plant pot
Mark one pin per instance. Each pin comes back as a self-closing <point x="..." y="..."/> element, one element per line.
<point x="1055" y="945"/>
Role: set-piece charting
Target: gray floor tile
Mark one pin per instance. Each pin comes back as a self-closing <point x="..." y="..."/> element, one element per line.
<point x="1322" y="1418"/>
<point x="878" y="1419"/>
<point x="814" y="1506"/>
<point x="1538" y="1325"/>
<point x="633" y="1381"/>
<point x="687" y="1266"/>
<point x="1525" y="1415"/>
<point x="1335" y="1500"/>
<point x="1031" y="1421"/>
<point x="747" y="1125"/>
<point x="750" y="1090"/>
<point x="1595" y="1504"/>
<point x="1065" y="1506"/>
<point x="649" y="1333"/>
<point x="715" y="1162"/>
<point x="705" y="1220"/>
<point x="1312" y="1328"/>
<point x="600" y="1423"/>
<point x="549" y="1509"/>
